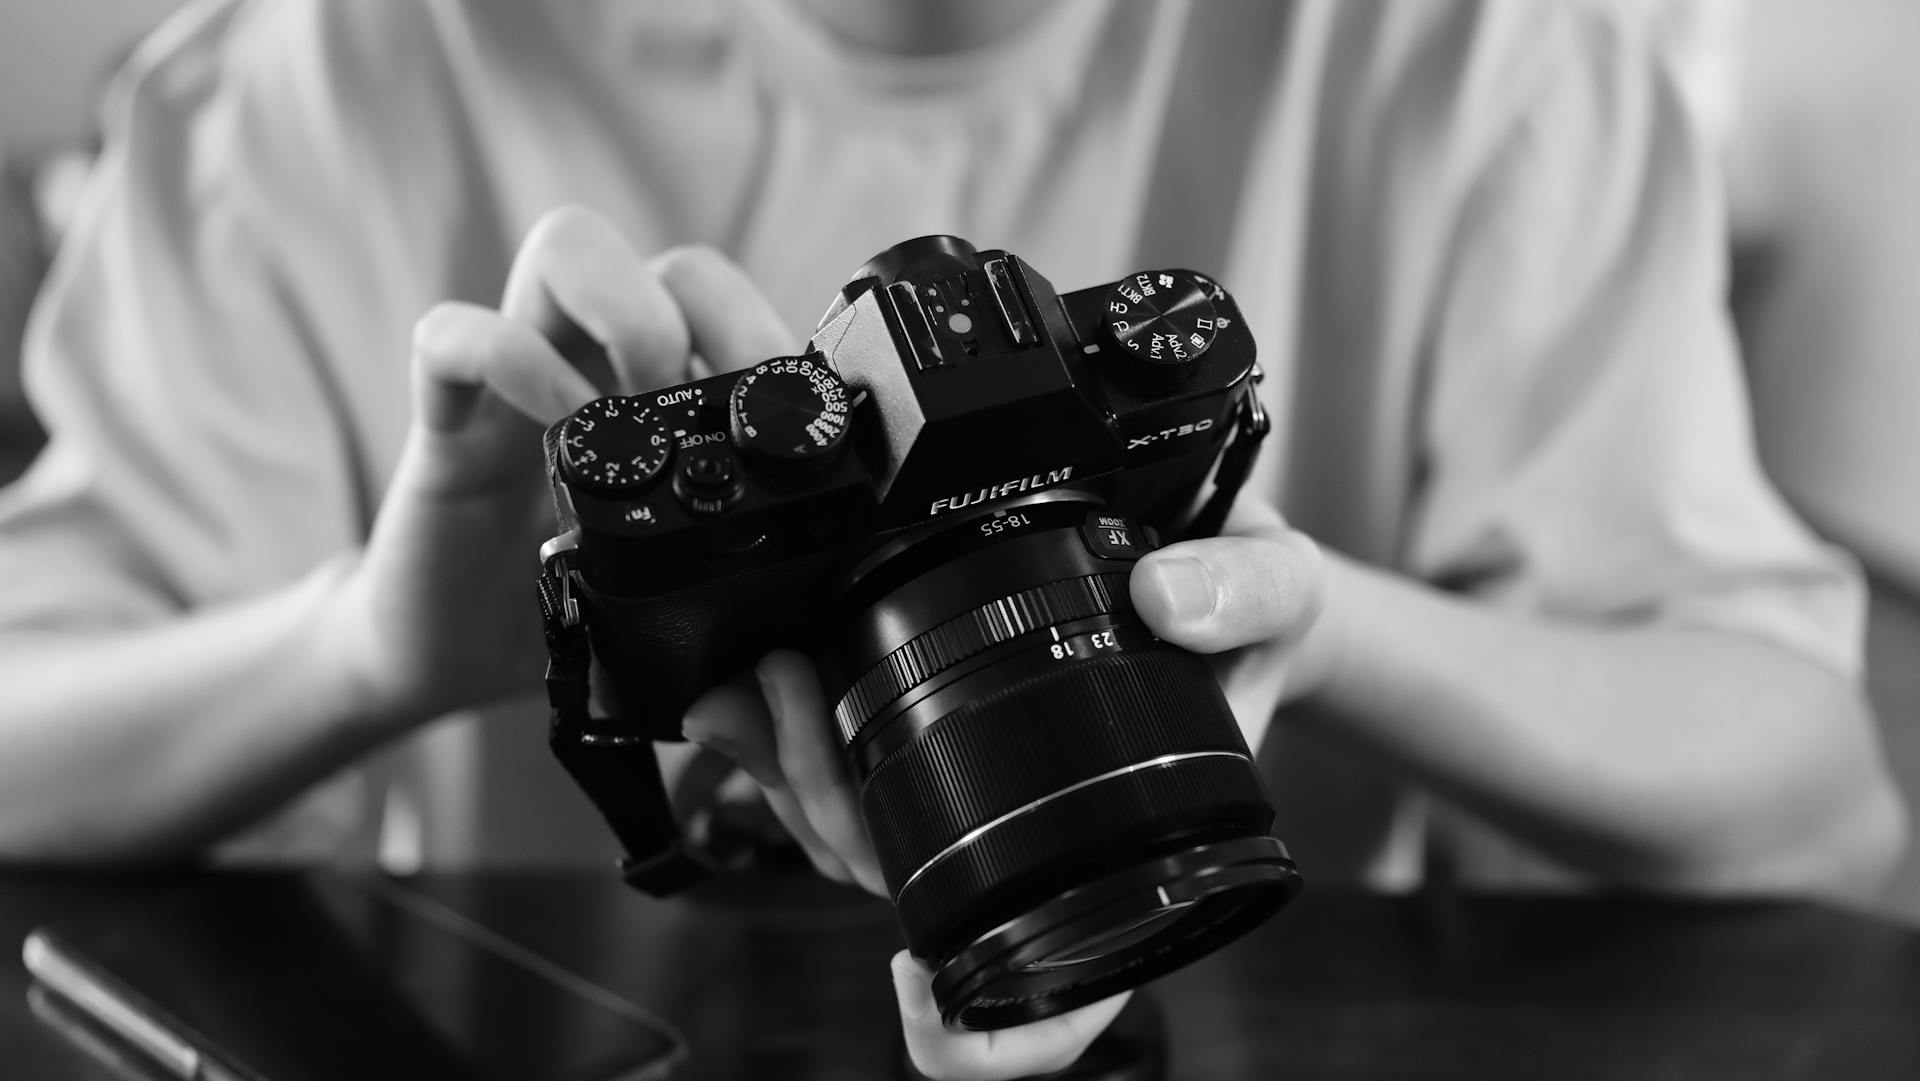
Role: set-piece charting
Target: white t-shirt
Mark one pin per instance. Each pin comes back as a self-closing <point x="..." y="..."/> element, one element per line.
<point x="1474" y="240"/>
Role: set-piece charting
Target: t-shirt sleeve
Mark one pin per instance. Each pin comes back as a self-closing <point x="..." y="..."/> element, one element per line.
<point x="1586" y="446"/>
<point x="198" y="449"/>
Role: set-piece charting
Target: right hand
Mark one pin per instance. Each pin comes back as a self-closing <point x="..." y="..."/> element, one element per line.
<point x="439" y="613"/>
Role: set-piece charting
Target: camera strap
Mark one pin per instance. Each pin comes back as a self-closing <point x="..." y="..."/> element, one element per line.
<point x="613" y="764"/>
<point x="1236" y="462"/>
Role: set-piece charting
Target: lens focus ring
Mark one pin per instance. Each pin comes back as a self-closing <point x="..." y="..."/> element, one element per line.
<point x="967" y="635"/>
<point x="1027" y="749"/>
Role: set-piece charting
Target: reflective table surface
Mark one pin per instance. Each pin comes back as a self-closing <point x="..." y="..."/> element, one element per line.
<point x="786" y="976"/>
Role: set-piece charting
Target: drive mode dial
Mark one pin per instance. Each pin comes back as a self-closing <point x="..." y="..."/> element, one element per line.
<point x="615" y="446"/>
<point x="1162" y="318"/>
<point x="790" y="413"/>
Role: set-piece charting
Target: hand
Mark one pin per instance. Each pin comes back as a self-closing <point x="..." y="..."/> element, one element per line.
<point x="1248" y="597"/>
<point x="783" y="737"/>
<point x="1253" y="599"/>
<point x="439" y="612"/>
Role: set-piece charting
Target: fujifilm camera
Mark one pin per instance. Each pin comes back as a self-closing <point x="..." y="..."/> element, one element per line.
<point x="941" y="501"/>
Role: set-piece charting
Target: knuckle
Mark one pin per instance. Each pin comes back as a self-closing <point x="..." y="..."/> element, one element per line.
<point x="1290" y="587"/>
<point x="659" y="339"/>
<point x="496" y="354"/>
<point x="1312" y="564"/>
<point x="1280" y="581"/>
<point x="561" y="244"/>
<point x="560" y="225"/>
<point x="693" y="264"/>
<point x="434" y="332"/>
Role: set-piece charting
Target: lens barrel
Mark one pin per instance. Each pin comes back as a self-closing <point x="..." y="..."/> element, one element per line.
<point x="1062" y="805"/>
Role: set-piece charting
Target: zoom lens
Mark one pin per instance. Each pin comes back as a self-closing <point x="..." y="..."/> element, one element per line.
<point x="1062" y="804"/>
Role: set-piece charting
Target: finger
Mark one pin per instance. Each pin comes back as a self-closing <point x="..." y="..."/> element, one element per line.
<point x="733" y="720"/>
<point x="578" y="282"/>
<point x="947" y="1055"/>
<point x="811" y="762"/>
<point x="732" y="324"/>
<point x="462" y="350"/>
<point x="1226" y="592"/>
<point x="824" y="857"/>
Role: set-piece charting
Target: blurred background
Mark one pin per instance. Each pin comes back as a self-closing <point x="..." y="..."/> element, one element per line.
<point x="1811" y="106"/>
<point x="53" y="54"/>
<point x="55" y="58"/>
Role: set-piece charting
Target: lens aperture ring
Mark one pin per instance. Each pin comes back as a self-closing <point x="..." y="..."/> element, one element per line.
<point x="971" y="633"/>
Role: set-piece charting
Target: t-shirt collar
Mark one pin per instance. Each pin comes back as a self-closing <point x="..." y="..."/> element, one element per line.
<point x="1041" y="61"/>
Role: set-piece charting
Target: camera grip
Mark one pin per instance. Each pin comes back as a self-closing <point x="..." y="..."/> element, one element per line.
<point x="659" y="654"/>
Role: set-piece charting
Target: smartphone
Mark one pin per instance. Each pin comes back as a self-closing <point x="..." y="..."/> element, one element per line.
<point x="288" y="977"/>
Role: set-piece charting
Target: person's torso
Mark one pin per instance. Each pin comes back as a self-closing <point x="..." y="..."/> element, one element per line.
<point x="1310" y="155"/>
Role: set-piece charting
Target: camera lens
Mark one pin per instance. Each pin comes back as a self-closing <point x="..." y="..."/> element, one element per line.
<point x="1063" y="805"/>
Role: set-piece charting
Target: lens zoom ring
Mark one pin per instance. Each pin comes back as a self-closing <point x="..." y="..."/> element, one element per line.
<point x="966" y="635"/>
<point x="1036" y="737"/>
<point x="1058" y="836"/>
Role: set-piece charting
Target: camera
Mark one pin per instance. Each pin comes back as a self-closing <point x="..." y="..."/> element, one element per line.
<point x="941" y="501"/>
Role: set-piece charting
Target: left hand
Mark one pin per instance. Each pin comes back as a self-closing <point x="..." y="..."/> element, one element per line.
<point x="1248" y="597"/>
<point x="1251" y="598"/>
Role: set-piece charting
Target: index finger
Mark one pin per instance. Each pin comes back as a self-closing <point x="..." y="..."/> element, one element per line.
<point x="732" y="323"/>
<point x="461" y="350"/>
<point x="579" y="282"/>
<point x="811" y="762"/>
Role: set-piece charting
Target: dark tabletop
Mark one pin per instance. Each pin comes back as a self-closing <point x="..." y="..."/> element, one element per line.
<point x="787" y="977"/>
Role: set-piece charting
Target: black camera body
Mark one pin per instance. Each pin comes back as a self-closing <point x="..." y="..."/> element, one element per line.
<point x="941" y="500"/>
<point x="1036" y="392"/>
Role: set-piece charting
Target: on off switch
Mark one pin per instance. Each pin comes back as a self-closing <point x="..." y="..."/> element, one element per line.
<point x="707" y="479"/>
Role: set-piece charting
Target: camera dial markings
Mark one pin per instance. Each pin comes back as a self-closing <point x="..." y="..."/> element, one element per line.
<point x="1164" y="319"/>
<point x="790" y="413"/>
<point x="615" y="445"/>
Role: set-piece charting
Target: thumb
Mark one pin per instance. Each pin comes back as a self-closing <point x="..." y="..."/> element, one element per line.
<point x="1222" y="593"/>
<point x="1041" y="1047"/>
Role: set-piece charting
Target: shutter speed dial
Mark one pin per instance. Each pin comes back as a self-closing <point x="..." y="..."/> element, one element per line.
<point x="790" y="413"/>
<point x="1163" y="319"/>
<point x="615" y="446"/>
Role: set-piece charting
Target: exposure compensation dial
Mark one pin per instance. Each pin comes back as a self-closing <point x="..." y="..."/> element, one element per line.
<point x="615" y="446"/>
